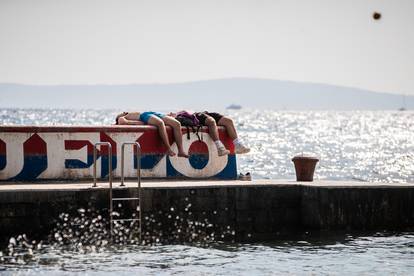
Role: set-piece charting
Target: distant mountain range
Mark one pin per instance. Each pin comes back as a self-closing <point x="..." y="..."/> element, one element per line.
<point x="202" y="95"/>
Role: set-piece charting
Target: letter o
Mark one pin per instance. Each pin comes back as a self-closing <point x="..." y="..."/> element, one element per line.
<point x="215" y="163"/>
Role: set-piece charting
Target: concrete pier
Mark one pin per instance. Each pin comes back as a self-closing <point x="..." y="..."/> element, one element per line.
<point x="254" y="210"/>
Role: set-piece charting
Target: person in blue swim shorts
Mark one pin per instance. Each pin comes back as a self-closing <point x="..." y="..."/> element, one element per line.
<point x="159" y="120"/>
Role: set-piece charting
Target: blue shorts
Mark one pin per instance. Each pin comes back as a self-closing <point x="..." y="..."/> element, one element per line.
<point x="146" y="115"/>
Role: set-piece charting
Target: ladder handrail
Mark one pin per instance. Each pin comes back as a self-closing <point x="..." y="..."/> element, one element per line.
<point x="109" y="161"/>
<point x="138" y="158"/>
<point x="109" y="172"/>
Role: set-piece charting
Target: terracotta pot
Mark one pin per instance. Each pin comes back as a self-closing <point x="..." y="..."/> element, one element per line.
<point x="305" y="167"/>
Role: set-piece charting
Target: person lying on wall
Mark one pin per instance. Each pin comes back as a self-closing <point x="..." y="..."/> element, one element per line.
<point x="159" y="120"/>
<point x="212" y="120"/>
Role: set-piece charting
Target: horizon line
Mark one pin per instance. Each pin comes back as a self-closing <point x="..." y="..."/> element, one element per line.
<point x="207" y="80"/>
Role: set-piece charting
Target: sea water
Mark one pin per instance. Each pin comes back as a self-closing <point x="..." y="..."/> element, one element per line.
<point x="374" y="146"/>
<point x="367" y="146"/>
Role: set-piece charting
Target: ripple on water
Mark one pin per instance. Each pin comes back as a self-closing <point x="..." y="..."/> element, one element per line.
<point x="326" y="253"/>
<point x="352" y="145"/>
<point x="362" y="145"/>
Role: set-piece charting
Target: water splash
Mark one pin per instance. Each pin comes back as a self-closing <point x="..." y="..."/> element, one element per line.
<point x="86" y="231"/>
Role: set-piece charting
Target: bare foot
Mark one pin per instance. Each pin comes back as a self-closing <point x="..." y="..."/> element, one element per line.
<point x="182" y="154"/>
<point x="171" y="153"/>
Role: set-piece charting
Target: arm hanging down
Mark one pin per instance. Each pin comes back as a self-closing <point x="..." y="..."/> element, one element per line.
<point x="125" y="121"/>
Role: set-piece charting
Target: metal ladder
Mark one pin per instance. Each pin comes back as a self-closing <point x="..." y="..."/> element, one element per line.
<point x="111" y="198"/>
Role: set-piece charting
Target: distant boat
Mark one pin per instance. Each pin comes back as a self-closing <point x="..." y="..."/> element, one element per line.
<point x="403" y="108"/>
<point x="234" y="106"/>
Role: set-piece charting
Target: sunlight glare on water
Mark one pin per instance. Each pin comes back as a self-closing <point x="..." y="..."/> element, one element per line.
<point x="354" y="145"/>
<point x="374" y="146"/>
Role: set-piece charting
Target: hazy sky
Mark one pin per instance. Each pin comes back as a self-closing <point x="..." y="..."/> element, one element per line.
<point x="88" y="42"/>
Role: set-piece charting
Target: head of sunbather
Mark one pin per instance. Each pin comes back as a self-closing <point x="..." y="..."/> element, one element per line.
<point x="119" y="116"/>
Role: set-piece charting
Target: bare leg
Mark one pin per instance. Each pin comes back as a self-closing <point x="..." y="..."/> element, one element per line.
<point x="178" y="136"/>
<point x="239" y="148"/>
<point x="155" y="121"/>
<point x="212" y="127"/>
<point x="211" y="123"/>
<point x="228" y="123"/>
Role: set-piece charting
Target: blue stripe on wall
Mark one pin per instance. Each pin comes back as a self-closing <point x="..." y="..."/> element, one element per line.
<point x="229" y="172"/>
<point x="148" y="161"/>
<point x="32" y="168"/>
<point x="198" y="161"/>
<point x="2" y="162"/>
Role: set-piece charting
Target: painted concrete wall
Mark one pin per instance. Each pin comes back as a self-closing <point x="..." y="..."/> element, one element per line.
<point x="43" y="153"/>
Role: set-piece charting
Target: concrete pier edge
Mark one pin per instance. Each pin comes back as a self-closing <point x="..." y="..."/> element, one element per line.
<point x="255" y="210"/>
